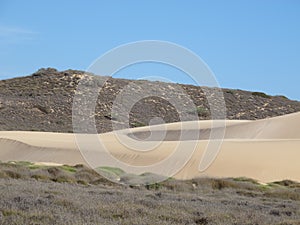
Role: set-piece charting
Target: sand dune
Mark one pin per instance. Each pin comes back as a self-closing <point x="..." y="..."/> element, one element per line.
<point x="12" y="150"/>
<point x="282" y="127"/>
<point x="266" y="150"/>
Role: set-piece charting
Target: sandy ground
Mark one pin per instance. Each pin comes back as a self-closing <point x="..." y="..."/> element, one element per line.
<point x="266" y="150"/>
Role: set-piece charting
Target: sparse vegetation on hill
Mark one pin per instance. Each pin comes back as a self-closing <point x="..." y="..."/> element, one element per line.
<point x="43" y="102"/>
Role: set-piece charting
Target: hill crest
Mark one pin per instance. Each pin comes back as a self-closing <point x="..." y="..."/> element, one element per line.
<point x="43" y="102"/>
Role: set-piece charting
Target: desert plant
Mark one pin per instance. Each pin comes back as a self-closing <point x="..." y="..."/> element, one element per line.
<point x="229" y="92"/>
<point x="261" y="94"/>
<point x="71" y="169"/>
<point x="137" y="124"/>
<point x="245" y="179"/>
<point x="202" y="111"/>
<point x="282" y="96"/>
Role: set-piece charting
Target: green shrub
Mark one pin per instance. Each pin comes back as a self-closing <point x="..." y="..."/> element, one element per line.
<point x="114" y="170"/>
<point x="282" y="96"/>
<point x="202" y="111"/>
<point x="137" y="124"/>
<point x="154" y="186"/>
<point x="71" y="169"/>
<point x="261" y="94"/>
<point x="34" y="167"/>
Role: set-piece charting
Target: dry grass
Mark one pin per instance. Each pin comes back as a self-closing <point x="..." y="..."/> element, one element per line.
<point x="78" y="195"/>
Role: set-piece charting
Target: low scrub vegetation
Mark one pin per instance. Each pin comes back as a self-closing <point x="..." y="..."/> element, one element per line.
<point x="261" y="94"/>
<point x="32" y="194"/>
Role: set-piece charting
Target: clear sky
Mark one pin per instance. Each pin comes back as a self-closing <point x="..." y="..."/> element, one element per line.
<point x="248" y="44"/>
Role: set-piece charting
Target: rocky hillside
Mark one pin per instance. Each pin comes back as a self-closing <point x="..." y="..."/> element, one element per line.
<point x="43" y="102"/>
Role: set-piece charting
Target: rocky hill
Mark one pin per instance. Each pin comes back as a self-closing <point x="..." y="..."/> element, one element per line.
<point x="43" y="102"/>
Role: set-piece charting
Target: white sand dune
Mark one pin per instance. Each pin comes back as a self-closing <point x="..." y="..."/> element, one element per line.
<point x="266" y="150"/>
<point x="281" y="127"/>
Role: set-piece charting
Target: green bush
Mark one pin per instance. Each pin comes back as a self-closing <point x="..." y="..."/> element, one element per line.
<point x="67" y="168"/>
<point x="154" y="186"/>
<point x="137" y="124"/>
<point x="261" y="94"/>
<point x="282" y="96"/>
<point x="202" y="111"/>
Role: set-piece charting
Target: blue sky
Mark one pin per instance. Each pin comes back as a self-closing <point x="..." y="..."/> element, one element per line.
<point x="252" y="45"/>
